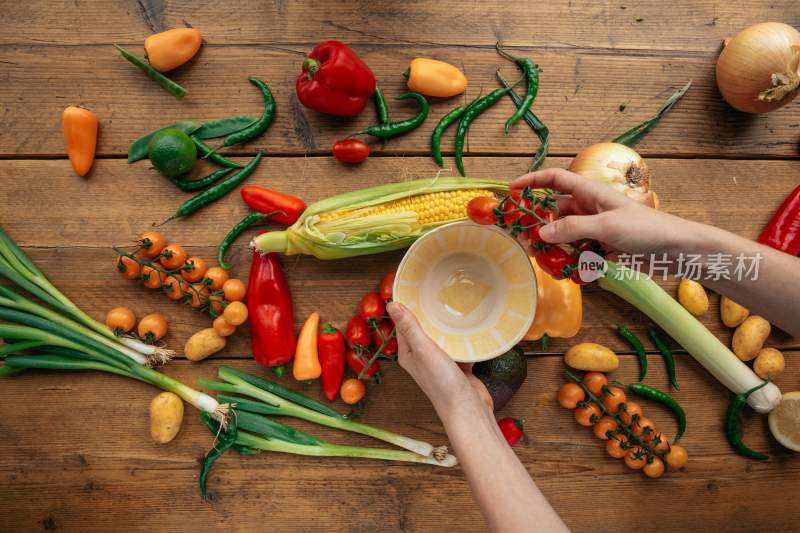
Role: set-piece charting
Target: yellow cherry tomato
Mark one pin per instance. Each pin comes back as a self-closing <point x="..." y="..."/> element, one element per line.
<point x="215" y="278"/>
<point x="235" y="313"/>
<point x="173" y="256"/>
<point x="222" y="327"/>
<point x="234" y="290"/>
<point x="194" y="269"/>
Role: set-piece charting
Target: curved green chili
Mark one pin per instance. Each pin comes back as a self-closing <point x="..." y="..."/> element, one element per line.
<point x="206" y="152"/>
<point x="173" y="88"/>
<point x="225" y="440"/>
<point x="470" y="114"/>
<point x="381" y="109"/>
<point x="201" y="183"/>
<point x="634" y="341"/>
<point x="536" y="125"/>
<point x="669" y="360"/>
<point x="224" y="126"/>
<point x="732" y="430"/>
<point x="392" y="129"/>
<point x="235" y="231"/>
<point x="259" y="126"/>
<point x="531" y="72"/>
<point x="436" y="136"/>
<point x="663" y="398"/>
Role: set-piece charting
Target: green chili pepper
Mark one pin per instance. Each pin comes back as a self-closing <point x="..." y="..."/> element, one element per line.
<point x="259" y="126"/>
<point x="212" y="194"/>
<point x="225" y="440"/>
<point x="436" y="137"/>
<point x="206" y="152"/>
<point x="245" y="223"/>
<point x="663" y="398"/>
<point x="201" y="183"/>
<point x="536" y="125"/>
<point x="138" y="149"/>
<point x="669" y="360"/>
<point x="381" y="109"/>
<point x="634" y="341"/>
<point x="165" y="82"/>
<point x="470" y="114"/>
<point x="392" y="129"/>
<point x="224" y="126"/>
<point x="732" y="430"/>
<point x="531" y="72"/>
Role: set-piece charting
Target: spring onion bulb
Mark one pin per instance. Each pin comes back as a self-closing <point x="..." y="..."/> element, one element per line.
<point x="646" y="295"/>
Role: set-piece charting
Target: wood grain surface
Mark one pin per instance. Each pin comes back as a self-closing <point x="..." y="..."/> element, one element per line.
<point x="77" y="455"/>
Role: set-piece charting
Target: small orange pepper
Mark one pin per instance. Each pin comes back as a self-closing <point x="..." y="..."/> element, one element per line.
<point x="432" y="77"/>
<point x="80" y="136"/>
<point x="172" y="48"/>
<point x="559" y="309"/>
<point x="306" y="359"/>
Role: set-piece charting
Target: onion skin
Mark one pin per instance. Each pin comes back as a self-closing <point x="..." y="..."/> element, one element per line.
<point x="746" y="66"/>
<point x="618" y="166"/>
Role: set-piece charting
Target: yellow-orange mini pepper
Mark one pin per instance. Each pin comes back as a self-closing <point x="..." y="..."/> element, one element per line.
<point x="80" y="136"/>
<point x="435" y="78"/>
<point x="306" y="358"/>
<point x="172" y="48"/>
<point x="559" y="310"/>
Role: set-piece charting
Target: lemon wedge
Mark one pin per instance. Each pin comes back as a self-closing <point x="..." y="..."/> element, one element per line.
<point x="784" y="421"/>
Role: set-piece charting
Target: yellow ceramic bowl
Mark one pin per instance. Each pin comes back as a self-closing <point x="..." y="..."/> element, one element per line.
<point x="471" y="287"/>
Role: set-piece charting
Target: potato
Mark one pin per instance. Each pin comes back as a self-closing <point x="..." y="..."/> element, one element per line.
<point x="166" y="415"/>
<point x="732" y="314"/>
<point x="591" y="356"/>
<point x="202" y="344"/>
<point x="749" y="337"/>
<point x="693" y="297"/>
<point x="769" y="362"/>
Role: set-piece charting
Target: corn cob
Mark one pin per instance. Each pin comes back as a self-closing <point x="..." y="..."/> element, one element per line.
<point x="377" y="219"/>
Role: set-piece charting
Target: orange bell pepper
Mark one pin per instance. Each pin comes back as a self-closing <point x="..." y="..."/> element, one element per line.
<point x="435" y="78"/>
<point x="559" y="310"/>
<point x="172" y="48"/>
<point x="306" y="358"/>
<point x="80" y="136"/>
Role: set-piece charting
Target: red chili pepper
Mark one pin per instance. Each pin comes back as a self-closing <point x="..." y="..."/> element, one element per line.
<point x="286" y="208"/>
<point x="358" y="332"/>
<point x="382" y="333"/>
<point x="269" y="306"/>
<point x="512" y="429"/>
<point x="350" y="151"/>
<point x="783" y="229"/>
<point x="335" y="80"/>
<point x="331" y="349"/>
<point x="372" y="307"/>
<point x="357" y="360"/>
<point x="387" y="286"/>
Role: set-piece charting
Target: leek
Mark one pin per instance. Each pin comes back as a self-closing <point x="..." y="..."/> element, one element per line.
<point x="646" y="295"/>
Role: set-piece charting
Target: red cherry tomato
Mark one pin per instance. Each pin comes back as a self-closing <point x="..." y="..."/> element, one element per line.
<point x="357" y="363"/>
<point x="512" y="429"/>
<point x="372" y="307"/>
<point x="387" y="285"/>
<point x="384" y="332"/>
<point x="357" y="332"/>
<point x="553" y="259"/>
<point x="513" y="213"/>
<point x="350" y="151"/>
<point x="481" y="210"/>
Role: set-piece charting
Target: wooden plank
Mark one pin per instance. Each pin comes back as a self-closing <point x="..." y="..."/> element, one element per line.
<point x="585" y="97"/>
<point x="113" y="477"/>
<point x="567" y="24"/>
<point x="71" y="238"/>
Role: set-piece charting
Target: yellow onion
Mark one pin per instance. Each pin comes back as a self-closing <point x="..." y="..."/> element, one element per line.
<point x="618" y="166"/>
<point x="757" y="70"/>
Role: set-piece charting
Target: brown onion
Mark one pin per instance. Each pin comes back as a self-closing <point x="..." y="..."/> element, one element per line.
<point x="618" y="166"/>
<point x="757" y="70"/>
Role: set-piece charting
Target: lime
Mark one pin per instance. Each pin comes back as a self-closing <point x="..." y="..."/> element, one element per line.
<point x="172" y="152"/>
<point x="784" y="421"/>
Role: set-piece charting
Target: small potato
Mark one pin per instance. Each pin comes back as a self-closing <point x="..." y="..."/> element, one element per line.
<point x="592" y="357"/>
<point x="166" y="415"/>
<point x="202" y="344"/>
<point x="749" y="337"/>
<point x="769" y="362"/>
<point x="732" y="314"/>
<point x="693" y="297"/>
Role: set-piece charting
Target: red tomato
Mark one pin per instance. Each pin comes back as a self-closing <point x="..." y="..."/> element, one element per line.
<point x="387" y="285"/>
<point x="357" y="332"/>
<point x="481" y="210"/>
<point x="350" y="151"/>
<point x="512" y="212"/>
<point x="372" y="307"/>
<point x="512" y="429"/>
<point x="553" y="259"/>
<point x="384" y="331"/>
<point x="357" y="363"/>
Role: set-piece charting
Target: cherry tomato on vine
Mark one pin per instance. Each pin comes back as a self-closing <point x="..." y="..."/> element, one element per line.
<point x="631" y="409"/>
<point x="677" y="456"/>
<point x="194" y="269"/>
<point x="387" y="286"/>
<point x="575" y="276"/>
<point x="152" y="243"/>
<point x="654" y="468"/>
<point x="357" y="363"/>
<point x="513" y="212"/>
<point x="372" y="307"/>
<point x="604" y="426"/>
<point x="357" y="332"/>
<point x="587" y="415"/>
<point x="617" y="446"/>
<point x="350" y="151"/>
<point x="512" y="429"/>
<point x="553" y="260"/>
<point x="660" y="443"/>
<point x="547" y="214"/>
<point x="595" y="381"/>
<point x="636" y="458"/>
<point x="352" y="391"/>
<point x="480" y="210"/>
<point x="173" y="256"/>
<point x="129" y="268"/>
<point x="384" y="332"/>
<point x="613" y="398"/>
<point x="570" y="394"/>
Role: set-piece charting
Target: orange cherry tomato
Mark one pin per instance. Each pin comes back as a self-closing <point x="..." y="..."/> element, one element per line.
<point x="677" y="456"/>
<point x="199" y="295"/>
<point x="129" y="268"/>
<point x="215" y="278"/>
<point x="173" y="256"/>
<point x="175" y="287"/>
<point x="603" y="426"/>
<point x="120" y="320"/>
<point x="152" y="243"/>
<point x="613" y="398"/>
<point x="234" y="290"/>
<point x="654" y="468"/>
<point x="215" y="304"/>
<point x="631" y="409"/>
<point x="222" y="327"/>
<point x="352" y="391"/>
<point x="570" y="394"/>
<point x="660" y="443"/>
<point x="644" y="428"/>
<point x="587" y="415"/>
<point x="194" y="269"/>
<point x="152" y="278"/>
<point x="152" y="327"/>
<point x="595" y="381"/>
<point x="235" y="313"/>
<point x="636" y="458"/>
<point x="617" y="447"/>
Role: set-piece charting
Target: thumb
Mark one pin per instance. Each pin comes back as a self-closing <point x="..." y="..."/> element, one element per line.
<point x="571" y="228"/>
<point x="407" y="326"/>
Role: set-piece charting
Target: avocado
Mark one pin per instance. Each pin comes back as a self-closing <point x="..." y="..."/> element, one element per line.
<point x="503" y="375"/>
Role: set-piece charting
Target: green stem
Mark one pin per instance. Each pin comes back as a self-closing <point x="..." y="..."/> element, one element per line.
<point x="632" y="137"/>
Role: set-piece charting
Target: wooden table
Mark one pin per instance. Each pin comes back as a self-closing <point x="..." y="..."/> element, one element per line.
<point x="76" y="454"/>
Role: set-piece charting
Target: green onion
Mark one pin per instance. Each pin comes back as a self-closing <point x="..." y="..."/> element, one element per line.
<point x="632" y="137"/>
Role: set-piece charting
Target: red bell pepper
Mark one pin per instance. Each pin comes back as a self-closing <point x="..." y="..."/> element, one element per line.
<point x="270" y="313"/>
<point x="331" y="349"/>
<point x="357" y="360"/>
<point x="783" y="229"/>
<point x="335" y="80"/>
<point x="283" y="208"/>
